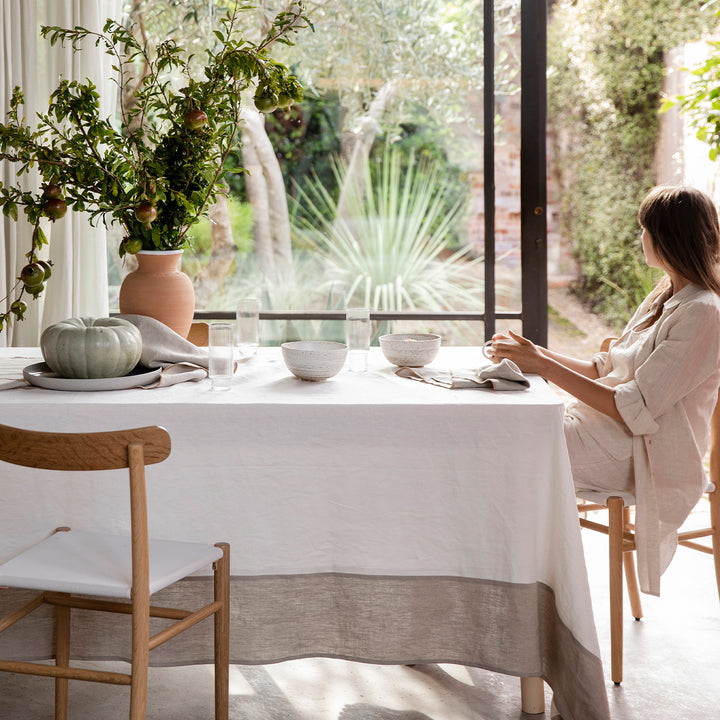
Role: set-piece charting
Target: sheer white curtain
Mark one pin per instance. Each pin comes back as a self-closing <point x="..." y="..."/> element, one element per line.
<point x="78" y="250"/>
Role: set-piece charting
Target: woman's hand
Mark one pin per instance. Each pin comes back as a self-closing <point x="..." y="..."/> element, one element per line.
<point x="525" y="354"/>
<point x="577" y="377"/>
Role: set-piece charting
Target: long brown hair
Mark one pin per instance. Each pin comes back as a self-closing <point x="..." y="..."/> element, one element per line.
<point x="685" y="232"/>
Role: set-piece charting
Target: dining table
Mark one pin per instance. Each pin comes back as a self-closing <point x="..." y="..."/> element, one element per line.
<point x="370" y="517"/>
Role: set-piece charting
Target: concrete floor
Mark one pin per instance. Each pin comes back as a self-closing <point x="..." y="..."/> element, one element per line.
<point x="671" y="663"/>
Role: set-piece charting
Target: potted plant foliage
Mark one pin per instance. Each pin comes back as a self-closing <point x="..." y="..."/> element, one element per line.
<point x="159" y="168"/>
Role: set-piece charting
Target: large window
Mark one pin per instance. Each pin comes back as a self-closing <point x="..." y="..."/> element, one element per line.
<point x="401" y="182"/>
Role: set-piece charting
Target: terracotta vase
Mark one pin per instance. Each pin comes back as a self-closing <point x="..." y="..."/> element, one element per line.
<point x="159" y="289"/>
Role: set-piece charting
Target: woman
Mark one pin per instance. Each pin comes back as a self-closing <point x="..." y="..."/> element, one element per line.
<point x="641" y="420"/>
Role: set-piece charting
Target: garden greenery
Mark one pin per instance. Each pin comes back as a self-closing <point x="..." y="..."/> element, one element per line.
<point x="389" y="246"/>
<point x="157" y="171"/>
<point x="701" y="103"/>
<point x="604" y="86"/>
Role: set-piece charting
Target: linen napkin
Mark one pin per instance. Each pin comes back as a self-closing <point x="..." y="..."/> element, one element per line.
<point x="162" y="347"/>
<point x="504" y="375"/>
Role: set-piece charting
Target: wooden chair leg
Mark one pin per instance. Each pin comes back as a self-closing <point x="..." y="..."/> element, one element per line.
<point x="62" y="659"/>
<point x="615" y="537"/>
<point x="62" y="651"/>
<point x="532" y="695"/>
<point x="630" y="573"/>
<point x="714" y="498"/>
<point x="632" y="585"/>
<point x="140" y="659"/>
<point x="222" y="634"/>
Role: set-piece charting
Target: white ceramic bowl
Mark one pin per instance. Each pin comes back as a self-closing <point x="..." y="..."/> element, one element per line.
<point x="410" y="349"/>
<point x="314" y="360"/>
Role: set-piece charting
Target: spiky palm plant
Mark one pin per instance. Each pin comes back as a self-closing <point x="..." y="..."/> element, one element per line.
<point x="387" y="240"/>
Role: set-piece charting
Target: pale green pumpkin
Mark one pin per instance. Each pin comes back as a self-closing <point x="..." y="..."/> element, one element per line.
<point x="91" y="347"/>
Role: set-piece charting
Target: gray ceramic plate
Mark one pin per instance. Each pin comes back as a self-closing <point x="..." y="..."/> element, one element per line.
<point x="41" y="375"/>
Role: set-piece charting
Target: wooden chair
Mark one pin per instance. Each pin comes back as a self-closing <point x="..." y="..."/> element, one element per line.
<point x="71" y="562"/>
<point x="199" y="334"/>
<point x="621" y="537"/>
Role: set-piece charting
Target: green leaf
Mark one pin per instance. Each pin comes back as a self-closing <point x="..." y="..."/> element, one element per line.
<point x="41" y="237"/>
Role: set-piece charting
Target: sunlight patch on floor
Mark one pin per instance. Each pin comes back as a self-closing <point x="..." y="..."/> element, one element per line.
<point x="347" y="690"/>
<point x="239" y="686"/>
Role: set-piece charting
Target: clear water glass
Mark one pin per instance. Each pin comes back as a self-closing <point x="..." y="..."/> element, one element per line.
<point x="220" y="355"/>
<point x="247" y="327"/>
<point x="357" y="332"/>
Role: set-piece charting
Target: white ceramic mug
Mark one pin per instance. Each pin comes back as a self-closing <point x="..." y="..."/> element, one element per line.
<point x="486" y="346"/>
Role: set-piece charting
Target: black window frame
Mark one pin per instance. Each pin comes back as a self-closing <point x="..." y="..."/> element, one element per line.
<point x="533" y="191"/>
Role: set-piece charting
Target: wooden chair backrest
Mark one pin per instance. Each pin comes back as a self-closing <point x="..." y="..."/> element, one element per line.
<point x="131" y="449"/>
<point x="199" y="334"/>
<point x="81" y="451"/>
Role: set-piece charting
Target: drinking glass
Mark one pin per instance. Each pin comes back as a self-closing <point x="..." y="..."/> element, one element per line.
<point x="220" y="355"/>
<point x="357" y="331"/>
<point x="247" y="327"/>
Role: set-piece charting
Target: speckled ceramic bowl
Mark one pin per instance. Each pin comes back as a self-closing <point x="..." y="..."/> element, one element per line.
<point x="410" y="349"/>
<point x="314" y="360"/>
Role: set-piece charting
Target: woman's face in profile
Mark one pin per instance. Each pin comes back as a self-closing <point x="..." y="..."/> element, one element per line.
<point x="651" y="257"/>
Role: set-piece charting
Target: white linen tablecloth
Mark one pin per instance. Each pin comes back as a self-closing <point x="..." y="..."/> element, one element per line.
<point x="369" y="516"/>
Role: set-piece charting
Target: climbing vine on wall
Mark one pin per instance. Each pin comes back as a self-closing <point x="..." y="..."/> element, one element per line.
<point x="604" y="91"/>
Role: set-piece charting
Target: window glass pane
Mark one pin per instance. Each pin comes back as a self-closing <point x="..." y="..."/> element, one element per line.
<point x="369" y="192"/>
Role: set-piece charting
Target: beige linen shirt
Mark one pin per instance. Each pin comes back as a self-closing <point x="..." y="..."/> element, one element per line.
<point x="666" y="381"/>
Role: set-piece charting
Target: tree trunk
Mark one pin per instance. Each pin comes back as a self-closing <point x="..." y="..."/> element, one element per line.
<point x="358" y="149"/>
<point x="265" y="185"/>
<point x="211" y="277"/>
<point x="271" y="211"/>
<point x="131" y="79"/>
<point x="257" y="193"/>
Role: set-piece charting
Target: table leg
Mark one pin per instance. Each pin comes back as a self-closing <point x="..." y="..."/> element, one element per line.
<point x="532" y="694"/>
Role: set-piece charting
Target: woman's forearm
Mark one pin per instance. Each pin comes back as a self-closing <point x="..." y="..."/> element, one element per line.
<point x="586" y="389"/>
<point x="586" y="368"/>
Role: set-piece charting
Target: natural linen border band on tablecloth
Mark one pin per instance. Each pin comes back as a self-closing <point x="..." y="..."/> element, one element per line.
<point x="404" y="620"/>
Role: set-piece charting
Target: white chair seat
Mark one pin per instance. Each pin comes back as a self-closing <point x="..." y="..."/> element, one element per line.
<point x="602" y="497"/>
<point x="628" y="498"/>
<point x="99" y="564"/>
